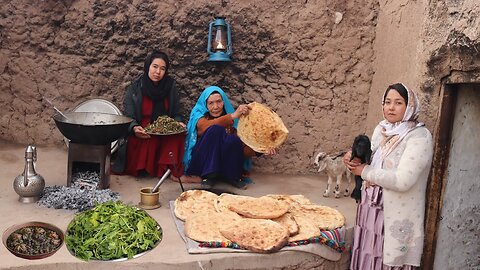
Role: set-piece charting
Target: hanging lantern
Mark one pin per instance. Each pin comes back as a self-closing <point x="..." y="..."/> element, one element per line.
<point x="219" y="40"/>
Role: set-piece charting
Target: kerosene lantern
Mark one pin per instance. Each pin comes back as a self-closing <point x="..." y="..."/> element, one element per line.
<point x="219" y="45"/>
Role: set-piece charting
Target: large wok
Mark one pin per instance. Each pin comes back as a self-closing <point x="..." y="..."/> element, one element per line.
<point x="92" y="127"/>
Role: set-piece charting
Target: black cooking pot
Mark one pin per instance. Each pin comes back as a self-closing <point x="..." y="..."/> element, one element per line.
<point x="92" y="127"/>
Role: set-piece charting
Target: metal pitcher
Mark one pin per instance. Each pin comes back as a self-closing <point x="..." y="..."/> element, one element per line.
<point x="29" y="185"/>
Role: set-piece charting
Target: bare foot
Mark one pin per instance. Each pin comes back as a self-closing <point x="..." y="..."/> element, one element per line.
<point x="189" y="179"/>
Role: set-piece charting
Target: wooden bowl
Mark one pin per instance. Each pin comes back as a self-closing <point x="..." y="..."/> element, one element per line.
<point x="13" y="228"/>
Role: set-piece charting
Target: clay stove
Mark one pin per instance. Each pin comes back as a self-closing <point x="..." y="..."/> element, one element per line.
<point x="86" y="157"/>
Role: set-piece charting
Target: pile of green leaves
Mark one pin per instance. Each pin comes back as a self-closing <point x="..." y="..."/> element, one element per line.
<point x="112" y="231"/>
<point x="164" y="125"/>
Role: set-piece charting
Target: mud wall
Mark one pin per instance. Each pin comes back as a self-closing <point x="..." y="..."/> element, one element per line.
<point x="424" y="45"/>
<point x="310" y="61"/>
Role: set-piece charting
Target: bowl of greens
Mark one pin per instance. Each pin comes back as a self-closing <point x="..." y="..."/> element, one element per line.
<point x="33" y="240"/>
<point x="112" y="231"/>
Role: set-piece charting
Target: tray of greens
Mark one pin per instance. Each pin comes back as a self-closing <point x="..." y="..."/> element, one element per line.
<point x="164" y="125"/>
<point x="112" y="231"/>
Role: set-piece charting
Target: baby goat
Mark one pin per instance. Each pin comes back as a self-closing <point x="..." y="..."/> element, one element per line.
<point x="361" y="149"/>
<point x="334" y="167"/>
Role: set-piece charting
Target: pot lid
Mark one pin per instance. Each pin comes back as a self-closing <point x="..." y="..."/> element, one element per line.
<point x="101" y="106"/>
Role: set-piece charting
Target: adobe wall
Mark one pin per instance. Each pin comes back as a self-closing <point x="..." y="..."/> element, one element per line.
<point x="310" y="61"/>
<point x="424" y="44"/>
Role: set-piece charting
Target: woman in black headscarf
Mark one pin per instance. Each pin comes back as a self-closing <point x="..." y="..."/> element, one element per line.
<point x="149" y="96"/>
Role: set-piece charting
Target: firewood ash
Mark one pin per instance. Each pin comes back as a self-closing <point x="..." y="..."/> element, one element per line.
<point x="75" y="198"/>
<point x="86" y="180"/>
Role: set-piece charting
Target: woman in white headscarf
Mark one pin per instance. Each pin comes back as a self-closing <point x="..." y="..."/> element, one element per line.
<point x="389" y="233"/>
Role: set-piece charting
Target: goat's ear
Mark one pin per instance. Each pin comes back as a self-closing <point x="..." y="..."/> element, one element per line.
<point x="319" y="157"/>
<point x="322" y="165"/>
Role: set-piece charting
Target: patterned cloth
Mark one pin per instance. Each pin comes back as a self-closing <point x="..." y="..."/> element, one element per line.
<point x="367" y="250"/>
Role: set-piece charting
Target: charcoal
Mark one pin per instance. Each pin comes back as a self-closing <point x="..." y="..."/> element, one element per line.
<point x="86" y="180"/>
<point x="75" y="197"/>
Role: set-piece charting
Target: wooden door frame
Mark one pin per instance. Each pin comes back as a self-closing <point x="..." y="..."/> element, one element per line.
<point x="437" y="178"/>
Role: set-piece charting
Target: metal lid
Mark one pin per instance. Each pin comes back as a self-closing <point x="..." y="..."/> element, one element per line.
<point x="101" y="106"/>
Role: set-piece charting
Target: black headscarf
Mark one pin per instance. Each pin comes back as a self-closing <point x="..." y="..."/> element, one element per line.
<point x="157" y="93"/>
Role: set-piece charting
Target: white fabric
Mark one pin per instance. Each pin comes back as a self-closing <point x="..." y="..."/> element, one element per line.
<point x="194" y="248"/>
<point x="393" y="133"/>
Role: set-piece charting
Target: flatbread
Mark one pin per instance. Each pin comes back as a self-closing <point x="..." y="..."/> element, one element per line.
<point x="259" y="235"/>
<point x="225" y="199"/>
<point x="324" y="217"/>
<point x="289" y="222"/>
<point x="205" y="226"/>
<point x="312" y="218"/>
<point x="262" y="129"/>
<point x="263" y="207"/>
<point x="306" y="229"/>
<point x="295" y="201"/>
<point x="194" y="201"/>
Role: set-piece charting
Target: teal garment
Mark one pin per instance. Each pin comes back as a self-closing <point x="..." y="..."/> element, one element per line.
<point x="199" y="111"/>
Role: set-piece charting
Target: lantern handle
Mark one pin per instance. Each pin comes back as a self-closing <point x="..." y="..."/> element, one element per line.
<point x="209" y="47"/>
<point x="229" y="37"/>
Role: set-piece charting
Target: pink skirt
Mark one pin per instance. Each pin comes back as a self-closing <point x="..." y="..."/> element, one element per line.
<point x="367" y="250"/>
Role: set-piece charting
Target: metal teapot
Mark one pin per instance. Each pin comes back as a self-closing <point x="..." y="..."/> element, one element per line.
<point x="29" y="185"/>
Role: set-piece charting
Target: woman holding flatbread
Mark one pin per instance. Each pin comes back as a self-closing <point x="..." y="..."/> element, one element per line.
<point x="213" y="151"/>
<point x="152" y="94"/>
<point x="389" y="230"/>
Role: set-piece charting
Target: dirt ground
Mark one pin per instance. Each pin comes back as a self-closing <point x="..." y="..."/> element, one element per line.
<point x="171" y="252"/>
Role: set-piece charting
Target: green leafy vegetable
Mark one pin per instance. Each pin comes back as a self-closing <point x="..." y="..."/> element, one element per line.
<point x="112" y="231"/>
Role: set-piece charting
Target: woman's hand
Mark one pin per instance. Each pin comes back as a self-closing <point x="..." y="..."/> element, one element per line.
<point x="140" y="132"/>
<point x="182" y="124"/>
<point x="243" y="109"/>
<point x="271" y="152"/>
<point x="353" y="166"/>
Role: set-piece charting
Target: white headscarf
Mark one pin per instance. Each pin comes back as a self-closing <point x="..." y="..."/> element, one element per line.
<point x="393" y="133"/>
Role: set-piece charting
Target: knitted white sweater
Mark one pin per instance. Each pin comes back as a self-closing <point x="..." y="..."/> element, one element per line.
<point x="403" y="177"/>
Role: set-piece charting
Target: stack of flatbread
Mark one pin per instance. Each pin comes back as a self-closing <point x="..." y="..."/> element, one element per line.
<point x="264" y="224"/>
<point x="262" y="129"/>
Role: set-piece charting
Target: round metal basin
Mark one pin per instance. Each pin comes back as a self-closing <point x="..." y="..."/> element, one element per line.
<point x="92" y="127"/>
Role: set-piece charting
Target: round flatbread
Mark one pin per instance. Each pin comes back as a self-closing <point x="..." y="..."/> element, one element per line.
<point x="259" y="235"/>
<point x="288" y="221"/>
<point x="324" y="217"/>
<point x="306" y="229"/>
<point x="262" y="207"/>
<point x="295" y="201"/>
<point x="205" y="226"/>
<point x="262" y="129"/>
<point x="194" y="201"/>
<point x="223" y="201"/>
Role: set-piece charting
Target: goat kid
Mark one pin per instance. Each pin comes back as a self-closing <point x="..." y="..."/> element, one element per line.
<point x="334" y="168"/>
<point x="361" y="149"/>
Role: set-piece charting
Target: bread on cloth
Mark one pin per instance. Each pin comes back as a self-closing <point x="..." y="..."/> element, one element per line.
<point x="223" y="201"/>
<point x="205" y="226"/>
<point x="295" y="201"/>
<point x="289" y="222"/>
<point x="259" y="235"/>
<point x="194" y="201"/>
<point x="324" y="217"/>
<point x="261" y="129"/>
<point x="262" y="207"/>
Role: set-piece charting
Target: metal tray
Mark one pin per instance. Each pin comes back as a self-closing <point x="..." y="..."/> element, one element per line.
<point x="159" y="228"/>
<point x="166" y="134"/>
<point x="13" y="228"/>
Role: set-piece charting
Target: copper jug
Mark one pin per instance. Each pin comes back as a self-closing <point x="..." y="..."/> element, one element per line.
<point x="29" y="185"/>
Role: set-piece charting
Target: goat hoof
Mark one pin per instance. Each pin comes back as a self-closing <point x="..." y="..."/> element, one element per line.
<point x="326" y="194"/>
<point x="337" y="196"/>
